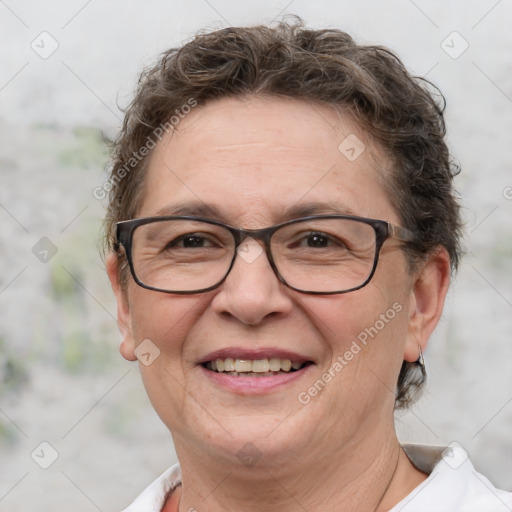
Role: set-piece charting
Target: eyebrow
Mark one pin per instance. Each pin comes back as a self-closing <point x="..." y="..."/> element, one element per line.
<point x="318" y="208"/>
<point x="195" y="209"/>
<point x="281" y="213"/>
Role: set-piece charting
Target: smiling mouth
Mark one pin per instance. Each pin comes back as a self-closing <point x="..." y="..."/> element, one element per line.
<point x="255" y="367"/>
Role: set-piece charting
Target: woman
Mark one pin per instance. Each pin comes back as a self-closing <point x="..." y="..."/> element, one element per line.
<point x="282" y="228"/>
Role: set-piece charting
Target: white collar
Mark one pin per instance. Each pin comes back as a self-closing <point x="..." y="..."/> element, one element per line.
<point x="453" y="485"/>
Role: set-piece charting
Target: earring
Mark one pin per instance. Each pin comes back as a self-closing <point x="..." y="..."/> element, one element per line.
<point x="420" y="361"/>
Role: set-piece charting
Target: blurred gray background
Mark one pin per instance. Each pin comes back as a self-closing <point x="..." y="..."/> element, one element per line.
<point x="65" y="68"/>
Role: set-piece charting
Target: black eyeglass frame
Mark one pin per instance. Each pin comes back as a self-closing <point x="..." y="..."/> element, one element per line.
<point x="383" y="230"/>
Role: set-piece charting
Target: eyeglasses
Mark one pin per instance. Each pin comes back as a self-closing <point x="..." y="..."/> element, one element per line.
<point x="325" y="254"/>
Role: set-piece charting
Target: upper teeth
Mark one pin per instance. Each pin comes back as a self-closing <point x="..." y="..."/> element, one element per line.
<point x="273" y="364"/>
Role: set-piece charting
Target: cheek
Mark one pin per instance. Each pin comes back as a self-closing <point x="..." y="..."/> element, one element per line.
<point x="363" y="334"/>
<point x="165" y="320"/>
<point x="371" y="323"/>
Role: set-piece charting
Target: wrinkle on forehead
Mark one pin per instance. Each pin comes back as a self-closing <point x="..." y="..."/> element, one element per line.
<point x="210" y="127"/>
<point x="235" y="145"/>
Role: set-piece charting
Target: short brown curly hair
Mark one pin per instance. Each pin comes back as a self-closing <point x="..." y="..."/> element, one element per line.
<point x="403" y="114"/>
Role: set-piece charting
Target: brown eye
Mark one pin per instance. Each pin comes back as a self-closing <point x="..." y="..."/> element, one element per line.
<point x="317" y="240"/>
<point x="190" y="240"/>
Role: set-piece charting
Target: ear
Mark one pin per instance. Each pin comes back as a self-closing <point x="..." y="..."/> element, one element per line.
<point x="429" y="289"/>
<point x="127" y="346"/>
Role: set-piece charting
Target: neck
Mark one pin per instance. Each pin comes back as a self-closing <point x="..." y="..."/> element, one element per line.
<point x="369" y="477"/>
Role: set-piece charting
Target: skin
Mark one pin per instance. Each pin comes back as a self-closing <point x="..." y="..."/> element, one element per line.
<point x="253" y="160"/>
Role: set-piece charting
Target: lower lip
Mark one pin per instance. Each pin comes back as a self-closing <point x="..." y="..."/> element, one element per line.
<point x="254" y="385"/>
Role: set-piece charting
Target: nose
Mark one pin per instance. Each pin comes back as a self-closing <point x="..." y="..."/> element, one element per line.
<point x="252" y="292"/>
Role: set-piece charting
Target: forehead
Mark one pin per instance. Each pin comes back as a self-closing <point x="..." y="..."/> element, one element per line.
<point x="255" y="159"/>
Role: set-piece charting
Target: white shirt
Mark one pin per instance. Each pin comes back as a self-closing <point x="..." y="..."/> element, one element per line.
<point x="453" y="485"/>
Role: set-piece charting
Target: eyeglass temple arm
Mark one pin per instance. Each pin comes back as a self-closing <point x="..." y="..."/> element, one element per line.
<point x="400" y="233"/>
<point x="115" y="240"/>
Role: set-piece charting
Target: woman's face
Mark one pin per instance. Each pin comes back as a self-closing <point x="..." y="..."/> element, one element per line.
<point x="255" y="162"/>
